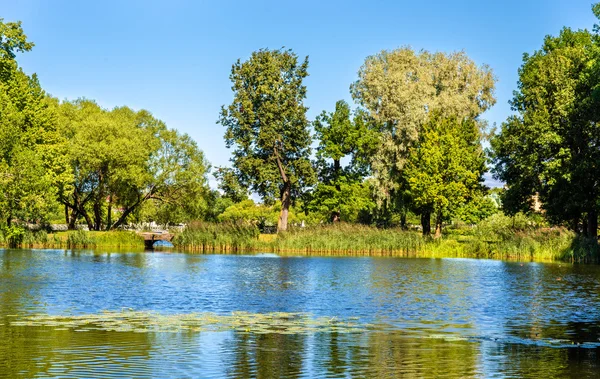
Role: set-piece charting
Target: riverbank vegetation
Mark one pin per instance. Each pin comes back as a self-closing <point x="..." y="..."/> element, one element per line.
<point x="400" y="174"/>
<point x="498" y="237"/>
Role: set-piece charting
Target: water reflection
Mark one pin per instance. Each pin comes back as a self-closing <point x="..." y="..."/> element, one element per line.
<point x="42" y="352"/>
<point x="434" y="317"/>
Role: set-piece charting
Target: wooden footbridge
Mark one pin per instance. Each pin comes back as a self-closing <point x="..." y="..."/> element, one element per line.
<point x="151" y="237"/>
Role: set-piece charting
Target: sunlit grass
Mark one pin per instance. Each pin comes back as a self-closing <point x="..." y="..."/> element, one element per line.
<point x="497" y="238"/>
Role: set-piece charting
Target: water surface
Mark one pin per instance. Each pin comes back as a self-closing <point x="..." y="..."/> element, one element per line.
<point x="416" y="317"/>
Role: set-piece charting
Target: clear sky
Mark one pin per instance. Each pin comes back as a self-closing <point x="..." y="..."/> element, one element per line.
<point x="174" y="57"/>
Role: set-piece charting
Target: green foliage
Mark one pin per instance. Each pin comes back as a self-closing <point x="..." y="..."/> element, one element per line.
<point x="503" y="227"/>
<point x="230" y="184"/>
<point x="261" y="215"/>
<point x="123" y="159"/>
<point x="12" y="39"/>
<point x="550" y="146"/>
<point x="31" y="162"/>
<point x="445" y="169"/>
<point x="477" y="209"/>
<point x="401" y="89"/>
<point x="18" y="236"/>
<point x="341" y="191"/>
<point x="248" y="212"/>
<point x="267" y="125"/>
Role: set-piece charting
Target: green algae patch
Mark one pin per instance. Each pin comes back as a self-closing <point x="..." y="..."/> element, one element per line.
<point x="151" y="322"/>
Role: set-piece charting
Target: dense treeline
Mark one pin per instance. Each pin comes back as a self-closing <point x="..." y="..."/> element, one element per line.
<point x="410" y="153"/>
<point x="77" y="162"/>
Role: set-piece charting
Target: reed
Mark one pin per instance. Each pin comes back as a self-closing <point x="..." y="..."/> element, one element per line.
<point x="86" y="239"/>
<point x="71" y="239"/>
<point x="228" y="236"/>
<point x="500" y="238"/>
<point x="348" y="239"/>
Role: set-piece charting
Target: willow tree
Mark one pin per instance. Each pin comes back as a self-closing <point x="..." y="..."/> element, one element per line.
<point x="267" y="125"/>
<point x="401" y="89"/>
<point x="123" y="159"/>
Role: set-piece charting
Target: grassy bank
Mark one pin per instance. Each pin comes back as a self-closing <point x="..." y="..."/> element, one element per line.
<point x="70" y="239"/>
<point x="499" y="237"/>
<point x="496" y="239"/>
<point x="211" y="237"/>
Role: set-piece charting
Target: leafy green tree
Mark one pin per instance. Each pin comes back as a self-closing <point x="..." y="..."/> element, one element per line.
<point x="230" y="185"/>
<point x="247" y="211"/>
<point x="122" y="159"/>
<point x="550" y="147"/>
<point x="176" y="177"/>
<point x="445" y="169"/>
<point x="341" y="192"/>
<point x="477" y="209"/>
<point x="267" y="125"/>
<point x="31" y="149"/>
<point x="401" y="89"/>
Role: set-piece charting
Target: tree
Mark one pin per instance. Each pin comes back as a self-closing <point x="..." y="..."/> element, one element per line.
<point x="401" y="89"/>
<point x="230" y="185"/>
<point x="551" y="146"/>
<point x="341" y="192"/>
<point x="267" y="125"/>
<point x="31" y="149"/>
<point x="445" y="168"/>
<point x="123" y="159"/>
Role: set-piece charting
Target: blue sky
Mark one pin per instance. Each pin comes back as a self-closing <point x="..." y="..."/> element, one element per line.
<point x="174" y="57"/>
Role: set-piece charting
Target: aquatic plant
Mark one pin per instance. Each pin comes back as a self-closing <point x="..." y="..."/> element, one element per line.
<point x="227" y="236"/>
<point x="144" y="322"/>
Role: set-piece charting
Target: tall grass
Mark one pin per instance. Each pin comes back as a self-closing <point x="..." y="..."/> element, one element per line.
<point x="348" y="239"/>
<point x="228" y="236"/>
<point x="20" y="237"/>
<point x="85" y="239"/>
<point x="497" y="238"/>
<point x="518" y="237"/>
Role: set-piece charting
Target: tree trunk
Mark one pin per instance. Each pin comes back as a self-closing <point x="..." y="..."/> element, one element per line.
<point x="403" y="220"/>
<point x="286" y="200"/>
<point x="67" y="219"/>
<point x="426" y="223"/>
<point x="87" y="218"/>
<point x="335" y="217"/>
<point x="336" y="174"/>
<point x="438" y="226"/>
<point x="109" y="213"/>
<point x="98" y="213"/>
<point x="592" y="223"/>
<point x="72" y="219"/>
<point x="574" y="225"/>
<point x="286" y="194"/>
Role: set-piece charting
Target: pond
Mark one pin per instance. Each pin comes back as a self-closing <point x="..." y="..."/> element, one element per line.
<point x="74" y="314"/>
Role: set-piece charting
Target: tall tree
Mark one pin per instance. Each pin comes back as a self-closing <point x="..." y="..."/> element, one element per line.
<point x="401" y="89"/>
<point x="445" y="169"/>
<point x="267" y="125"/>
<point x="341" y="191"/>
<point x="31" y="149"/>
<point x="552" y="145"/>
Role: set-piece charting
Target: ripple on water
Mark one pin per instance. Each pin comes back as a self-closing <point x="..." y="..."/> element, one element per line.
<point x="470" y="317"/>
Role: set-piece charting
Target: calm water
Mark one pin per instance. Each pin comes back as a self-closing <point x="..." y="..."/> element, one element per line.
<point x="422" y="317"/>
